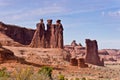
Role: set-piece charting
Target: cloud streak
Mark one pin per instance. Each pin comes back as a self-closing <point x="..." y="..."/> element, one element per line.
<point x="4" y="3"/>
<point x="111" y="13"/>
<point x="114" y="13"/>
<point x="22" y="14"/>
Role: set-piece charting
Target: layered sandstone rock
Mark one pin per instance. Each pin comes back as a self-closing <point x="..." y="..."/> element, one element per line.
<point x="81" y="63"/>
<point x="74" y="43"/>
<point x="92" y="56"/>
<point x="7" y="41"/>
<point x="6" y="55"/>
<point x="39" y="36"/>
<point x="16" y="33"/>
<point x="59" y="34"/>
<point x="50" y="38"/>
<point x="49" y="33"/>
<point x="73" y="62"/>
<point x="75" y="50"/>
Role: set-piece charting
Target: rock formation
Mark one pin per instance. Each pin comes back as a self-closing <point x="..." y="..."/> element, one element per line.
<point x="75" y="50"/>
<point x="6" y="55"/>
<point x="48" y="33"/>
<point x="74" y="43"/>
<point x="80" y="62"/>
<point x="92" y="56"/>
<point x="59" y="34"/>
<point x="50" y="38"/>
<point x="18" y="34"/>
<point x="73" y="62"/>
<point x="39" y="36"/>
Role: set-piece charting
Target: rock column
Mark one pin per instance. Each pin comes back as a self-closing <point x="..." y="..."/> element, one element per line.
<point x="59" y="34"/>
<point x="92" y="56"/>
<point x="38" y="40"/>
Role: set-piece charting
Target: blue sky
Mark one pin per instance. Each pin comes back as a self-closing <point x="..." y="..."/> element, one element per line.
<point x="93" y="19"/>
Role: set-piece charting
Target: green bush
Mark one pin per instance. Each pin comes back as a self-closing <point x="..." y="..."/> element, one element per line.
<point x="83" y="78"/>
<point x="23" y="74"/>
<point x="77" y="79"/>
<point x="61" y="77"/>
<point x="46" y="70"/>
<point x="4" y="73"/>
<point x="39" y="77"/>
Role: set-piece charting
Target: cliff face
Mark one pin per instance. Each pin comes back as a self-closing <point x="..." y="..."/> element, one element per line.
<point x="18" y="34"/>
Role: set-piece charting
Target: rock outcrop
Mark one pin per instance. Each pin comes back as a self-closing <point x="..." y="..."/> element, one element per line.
<point x="74" y="43"/>
<point x="75" y="50"/>
<point x="7" y="41"/>
<point x="18" y="34"/>
<point x="50" y="38"/>
<point x="6" y="55"/>
<point x="73" y="62"/>
<point x="39" y="36"/>
<point x="80" y="62"/>
<point x="92" y="56"/>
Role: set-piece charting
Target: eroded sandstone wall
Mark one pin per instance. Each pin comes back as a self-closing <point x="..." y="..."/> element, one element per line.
<point x="18" y="34"/>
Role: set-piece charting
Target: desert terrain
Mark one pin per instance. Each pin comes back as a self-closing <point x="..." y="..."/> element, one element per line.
<point x="38" y="57"/>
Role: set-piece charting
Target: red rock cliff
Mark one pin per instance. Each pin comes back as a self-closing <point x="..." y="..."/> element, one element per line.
<point x="19" y="34"/>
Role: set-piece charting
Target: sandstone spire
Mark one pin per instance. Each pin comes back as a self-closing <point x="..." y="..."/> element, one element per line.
<point x="39" y="36"/>
<point x="92" y="56"/>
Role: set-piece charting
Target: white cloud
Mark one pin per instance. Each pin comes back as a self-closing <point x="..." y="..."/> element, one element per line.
<point x="24" y="14"/>
<point x="111" y="13"/>
<point x="114" y="13"/>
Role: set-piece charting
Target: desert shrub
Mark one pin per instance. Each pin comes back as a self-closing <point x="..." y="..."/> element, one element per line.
<point x="46" y="70"/>
<point x="77" y="79"/>
<point x="66" y="78"/>
<point x="40" y="76"/>
<point x="4" y="73"/>
<point x="83" y="78"/>
<point x="23" y="74"/>
<point x="61" y="77"/>
<point x="71" y="79"/>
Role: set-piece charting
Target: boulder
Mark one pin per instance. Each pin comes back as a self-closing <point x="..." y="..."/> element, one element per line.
<point x="81" y="63"/>
<point x="6" y="55"/>
<point x="73" y="62"/>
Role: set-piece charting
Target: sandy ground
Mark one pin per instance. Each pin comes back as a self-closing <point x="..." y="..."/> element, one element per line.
<point x="37" y="57"/>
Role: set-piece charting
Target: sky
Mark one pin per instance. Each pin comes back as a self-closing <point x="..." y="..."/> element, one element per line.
<point x="82" y="19"/>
